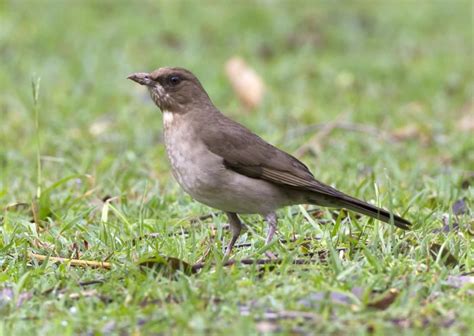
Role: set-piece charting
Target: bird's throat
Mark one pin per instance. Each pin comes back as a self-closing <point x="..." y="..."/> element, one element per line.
<point x="168" y="118"/>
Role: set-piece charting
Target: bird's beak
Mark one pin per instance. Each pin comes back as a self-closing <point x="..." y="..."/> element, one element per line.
<point x="142" y="78"/>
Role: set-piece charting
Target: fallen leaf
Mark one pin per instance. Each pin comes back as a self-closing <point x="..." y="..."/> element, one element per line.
<point x="99" y="127"/>
<point x="385" y="300"/>
<point x="446" y="256"/>
<point x="467" y="180"/>
<point x="168" y="265"/>
<point x="83" y="294"/>
<point x="90" y="293"/>
<point x="246" y="83"/>
<point x="407" y="132"/>
<point x="466" y="123"/>
<point x="18" y="206"/>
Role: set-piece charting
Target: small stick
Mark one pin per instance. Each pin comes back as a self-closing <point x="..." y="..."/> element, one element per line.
<point x="198" y="266"/>
<point x="72" y="262"/>
<point x="314" y="144"/>
<point x="346" y="126"/>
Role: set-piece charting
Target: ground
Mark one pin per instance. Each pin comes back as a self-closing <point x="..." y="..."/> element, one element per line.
<point x="379" y="96"/>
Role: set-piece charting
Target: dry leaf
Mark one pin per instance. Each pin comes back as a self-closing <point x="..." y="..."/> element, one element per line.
<point x="100" y="126"/>
<point x="246" y="83"/>
<point x="446" y="257"/>
<point x="168" y="265"/>
<point x="18" y="206"/>
<point x="410" y="131"/>
<point x="386" y="300"/>
<point x="466" y="123"/>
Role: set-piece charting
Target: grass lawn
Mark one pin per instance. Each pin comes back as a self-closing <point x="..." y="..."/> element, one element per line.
<point x="396" y="76"/>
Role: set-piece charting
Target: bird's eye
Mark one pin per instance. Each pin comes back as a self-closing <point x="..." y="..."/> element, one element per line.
<point x="174" y="80"/>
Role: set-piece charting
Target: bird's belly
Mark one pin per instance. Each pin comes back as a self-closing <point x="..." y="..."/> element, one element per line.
<point x="195" y="168"/>
<point x="203" y="175"/>
<point x="241" y="194"/>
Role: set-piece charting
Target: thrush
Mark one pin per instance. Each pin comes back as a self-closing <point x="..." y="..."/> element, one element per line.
<point x="224" y="165"/>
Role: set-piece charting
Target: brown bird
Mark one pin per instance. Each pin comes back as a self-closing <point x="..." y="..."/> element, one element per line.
<point x="224" y="165"/>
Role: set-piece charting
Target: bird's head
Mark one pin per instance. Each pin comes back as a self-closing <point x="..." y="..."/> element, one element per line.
<point x="174" y="90"/>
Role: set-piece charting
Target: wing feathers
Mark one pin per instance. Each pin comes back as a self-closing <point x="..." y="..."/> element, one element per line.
<point x="249" y="155"/>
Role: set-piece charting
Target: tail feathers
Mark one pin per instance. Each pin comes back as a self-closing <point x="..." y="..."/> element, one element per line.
<point x="354" y="204"/>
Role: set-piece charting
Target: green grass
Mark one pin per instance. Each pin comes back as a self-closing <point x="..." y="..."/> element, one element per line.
<point x="387" y="65"/>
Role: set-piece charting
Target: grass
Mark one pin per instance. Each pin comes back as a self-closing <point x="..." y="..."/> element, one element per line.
<point x="403" y="68"/>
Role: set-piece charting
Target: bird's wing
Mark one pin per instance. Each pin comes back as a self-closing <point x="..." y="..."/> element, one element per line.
<point x="249" y="155"/>
<point x="246" y="153"/>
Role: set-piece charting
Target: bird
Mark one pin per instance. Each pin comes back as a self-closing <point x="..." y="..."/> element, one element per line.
<point x="224" y="165"/>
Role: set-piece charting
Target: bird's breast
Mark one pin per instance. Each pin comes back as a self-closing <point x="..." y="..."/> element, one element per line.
<point x="203" y="175"/>
<point x="193" y="166"/>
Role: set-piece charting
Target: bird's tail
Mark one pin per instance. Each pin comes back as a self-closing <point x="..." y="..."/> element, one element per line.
<point x="354" y="204"/>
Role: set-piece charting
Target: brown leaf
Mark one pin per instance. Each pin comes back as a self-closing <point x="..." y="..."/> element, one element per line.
<point x="467" y="180"/>
<point x="446" y="256"/>
<point x="246" y="83"/>
<point x="99" y="127"/>
<point x="409" y="132"/>
<point x="466" y="123"/>
<point x="385" y="300"/>
<point x="18" y="206"/>
<point x="89" y="293"/>
<point x="167" y="265"/>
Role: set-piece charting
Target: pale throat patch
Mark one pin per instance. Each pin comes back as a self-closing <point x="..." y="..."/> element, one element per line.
<point x="167" y="117"/>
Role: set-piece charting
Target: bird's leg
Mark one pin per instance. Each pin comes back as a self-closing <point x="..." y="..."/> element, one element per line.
<point x="235" y="228"/>
<point x="272" y="221"/>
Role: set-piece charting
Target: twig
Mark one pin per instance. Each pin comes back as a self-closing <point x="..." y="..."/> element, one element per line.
<point x="346" y="126"/>
<point x="283" y="241"/>
<point x="91" y="282"/>
<point x="203" y="217"/>
<point x="72" y="262"/>
<point x="280" y="315"/>
<point x="196" y="267"/>
<point x="81" y="284"/>
<point x="314" y="144"/>
<point x="34" y="211"/>
<point x="154" y="235"/>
